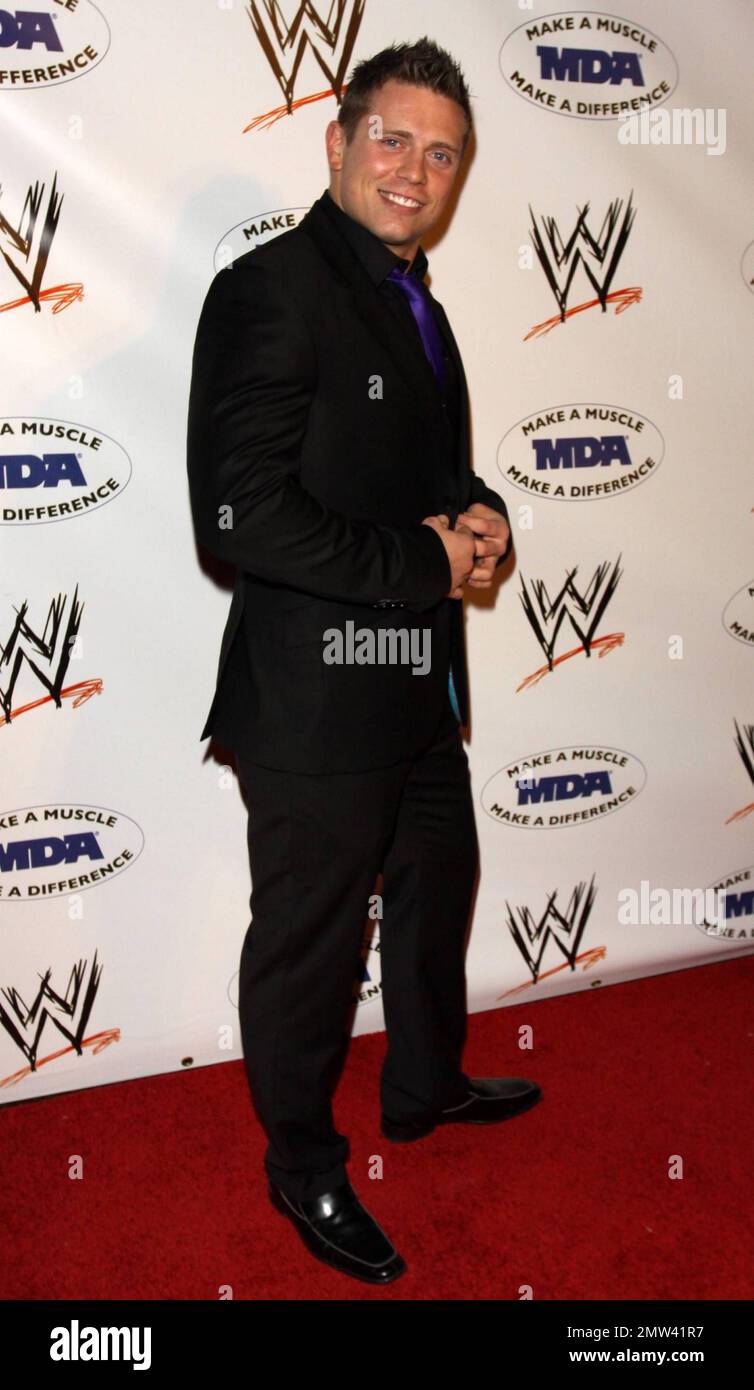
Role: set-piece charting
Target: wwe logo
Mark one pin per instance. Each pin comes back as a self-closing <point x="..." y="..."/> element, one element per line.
<point x="68" y="1012"/>
<point x="47" y="654"/>
<point x="584" y="611"/>
<point x="599" y="255"/>
<point x="565" y="930"/>
<point x="330" y="40"/>
<point x="25" y="248"/>
<point x="745" y="746"/>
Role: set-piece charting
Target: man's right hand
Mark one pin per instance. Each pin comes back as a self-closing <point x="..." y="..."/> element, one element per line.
<point x="459" y="548"/>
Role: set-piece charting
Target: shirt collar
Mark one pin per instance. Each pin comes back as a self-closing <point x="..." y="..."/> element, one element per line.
<point x="377" y="259"/>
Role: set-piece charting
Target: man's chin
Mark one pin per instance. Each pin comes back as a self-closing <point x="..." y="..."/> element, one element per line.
<point x="396" y="237"/>
<point x="394" y="228"/>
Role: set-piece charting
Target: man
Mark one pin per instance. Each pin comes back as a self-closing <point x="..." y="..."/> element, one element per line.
<point x="328" y="462"/>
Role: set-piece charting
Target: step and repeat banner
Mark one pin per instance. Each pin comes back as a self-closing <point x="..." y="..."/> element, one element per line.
<point x="598" y="271"/>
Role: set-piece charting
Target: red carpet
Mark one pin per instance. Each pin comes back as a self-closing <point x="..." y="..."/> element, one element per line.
<point x="572" y="1199"/>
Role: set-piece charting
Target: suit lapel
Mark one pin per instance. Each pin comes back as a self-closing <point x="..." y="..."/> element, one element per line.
<point x="463" y="412"/>
<point x="409" y="357"/>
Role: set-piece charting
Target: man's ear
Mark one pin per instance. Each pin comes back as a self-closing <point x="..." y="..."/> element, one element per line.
<point x="335" y="139"/>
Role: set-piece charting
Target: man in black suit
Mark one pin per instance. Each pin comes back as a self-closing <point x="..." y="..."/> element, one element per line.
<point x="328" y="459"/>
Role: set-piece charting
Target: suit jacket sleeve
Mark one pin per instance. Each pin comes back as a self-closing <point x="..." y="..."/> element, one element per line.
<point x="254" y="375"/>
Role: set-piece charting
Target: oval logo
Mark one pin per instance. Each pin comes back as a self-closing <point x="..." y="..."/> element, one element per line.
<point x="53" y="470"/>
<point x="368" y="986"/>
<point x="747" y="266"/>
<point x="46" y="44"/>
<point x="589" y="65"/>
<point x="563" y="786"/>
<point x="255" y="231"/>
<point x="52" y="850"/>
<point x="582" y="452"/>
<point x="738" y="615"/>
<point x="738" y="927"/>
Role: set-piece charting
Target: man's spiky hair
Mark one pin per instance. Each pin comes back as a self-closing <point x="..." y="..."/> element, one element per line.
<point x="420" y="64"/>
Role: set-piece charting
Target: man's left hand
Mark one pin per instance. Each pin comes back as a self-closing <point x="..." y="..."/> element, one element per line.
<point x="492" y="534"/>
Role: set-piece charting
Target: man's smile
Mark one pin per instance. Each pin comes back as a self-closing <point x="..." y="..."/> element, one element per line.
<point x="401" y="200"/>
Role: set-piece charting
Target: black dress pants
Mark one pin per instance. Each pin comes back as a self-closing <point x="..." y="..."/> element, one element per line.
<point x="316" y="845"/>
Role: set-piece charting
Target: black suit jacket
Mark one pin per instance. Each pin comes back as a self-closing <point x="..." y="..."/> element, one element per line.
<point x="315" y="437"/>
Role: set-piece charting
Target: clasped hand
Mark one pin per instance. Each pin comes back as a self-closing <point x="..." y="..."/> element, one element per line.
<point x="480" y="537"/>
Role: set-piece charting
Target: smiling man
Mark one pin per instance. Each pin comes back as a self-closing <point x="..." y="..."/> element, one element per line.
<point x="328" y="458"/>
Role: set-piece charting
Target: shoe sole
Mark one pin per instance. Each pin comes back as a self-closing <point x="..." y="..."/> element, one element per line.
<point x="400" y="1134"/>
<point x="313" y="1245"/>
<point x="403" y="1134"/>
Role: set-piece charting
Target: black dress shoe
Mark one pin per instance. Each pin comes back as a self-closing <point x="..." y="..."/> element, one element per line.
<point x="339" y="1231"/>
<point x="489" y="1100"/>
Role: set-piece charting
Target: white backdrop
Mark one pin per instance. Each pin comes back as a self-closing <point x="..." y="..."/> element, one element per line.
<point x="126" y="179"/>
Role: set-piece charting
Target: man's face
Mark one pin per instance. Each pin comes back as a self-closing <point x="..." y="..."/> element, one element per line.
<point x="413" y="152"/>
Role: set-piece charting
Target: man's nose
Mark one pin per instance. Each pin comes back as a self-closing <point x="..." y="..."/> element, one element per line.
<point x="412" y="167"/>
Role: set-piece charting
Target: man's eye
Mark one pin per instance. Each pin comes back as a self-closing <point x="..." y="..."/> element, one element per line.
<point x="443" y="155"/>
<point x="389" y="138"/>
